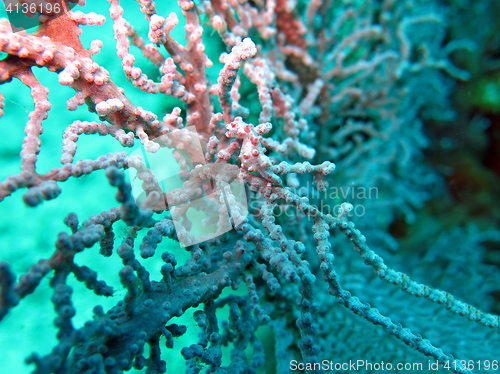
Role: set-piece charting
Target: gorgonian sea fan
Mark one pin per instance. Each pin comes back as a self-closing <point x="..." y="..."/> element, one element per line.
<point x="252" y="140"/>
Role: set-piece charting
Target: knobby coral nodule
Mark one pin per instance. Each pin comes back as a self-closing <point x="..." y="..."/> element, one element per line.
<point x="347" y="81"/>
